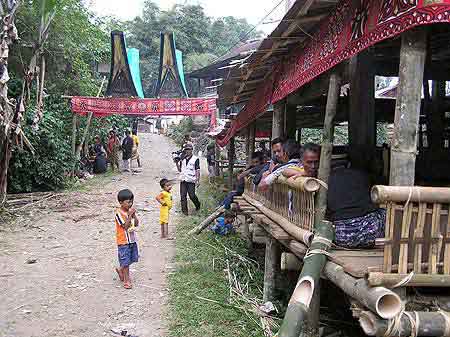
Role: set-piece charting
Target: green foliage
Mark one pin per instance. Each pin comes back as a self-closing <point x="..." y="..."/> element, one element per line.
<point x="202" y="262"/>
<point x="315" y="135"/>
<point x="179" y="131"/>
<point x="201" y="38"/>
<point x="46" y="170"/>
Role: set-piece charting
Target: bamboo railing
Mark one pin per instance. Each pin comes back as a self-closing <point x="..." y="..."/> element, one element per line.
<point x="417" y="234"/>
<point x="291" y="198"/>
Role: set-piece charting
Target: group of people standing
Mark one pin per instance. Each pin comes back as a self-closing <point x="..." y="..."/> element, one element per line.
<point x="128" y="146"/>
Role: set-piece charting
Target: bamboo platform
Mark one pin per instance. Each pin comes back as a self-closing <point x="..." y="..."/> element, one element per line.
<point x="357" y="263"/>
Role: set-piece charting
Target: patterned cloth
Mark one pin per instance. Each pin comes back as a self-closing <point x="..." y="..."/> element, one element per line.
<point x="360" y="232"/>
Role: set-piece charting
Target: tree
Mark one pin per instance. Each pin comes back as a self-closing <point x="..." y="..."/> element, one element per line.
<point x="10" y="114"/>
<point x="201" y="38"/>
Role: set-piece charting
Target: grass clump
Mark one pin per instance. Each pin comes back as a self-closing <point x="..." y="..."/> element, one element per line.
<point x="202" y="302"/>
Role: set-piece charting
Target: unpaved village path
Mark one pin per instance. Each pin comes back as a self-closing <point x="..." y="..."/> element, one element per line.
<point x="72" y="289"/>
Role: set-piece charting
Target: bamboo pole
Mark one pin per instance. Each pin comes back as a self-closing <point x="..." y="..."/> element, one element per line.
<point x="417" y="323"/>
<point x="382" y="301"/>
<point x="205" y="223"/>
<point x="290" y="262"/>
<point x="74" y="133"/>
<point x="407" y="108"/>
<point x="381" y="194"/>
<point x="309" y="279"/>
<point x="251" y="140"/>
<point x="408" y="280"/>
<point x="297" y="232"/>
<point x="231" y="157"/>
<point x="88" y="123"/>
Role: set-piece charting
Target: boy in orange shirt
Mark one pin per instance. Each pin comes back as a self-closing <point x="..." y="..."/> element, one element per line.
<point x="126" y="221"/>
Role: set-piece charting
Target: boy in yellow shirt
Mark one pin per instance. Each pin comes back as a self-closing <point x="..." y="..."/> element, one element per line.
<point x="165" y="199"/>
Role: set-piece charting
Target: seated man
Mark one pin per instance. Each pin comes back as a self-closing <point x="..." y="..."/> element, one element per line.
<point x="289" y="156"/>
<point x="256" y="166"/>
<point x="357" y="220"/>
<point x="276" y="145"/>
<point x="310" y="160"/>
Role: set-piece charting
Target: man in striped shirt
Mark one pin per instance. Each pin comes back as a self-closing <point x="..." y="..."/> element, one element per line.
<point x="126" y="222"/>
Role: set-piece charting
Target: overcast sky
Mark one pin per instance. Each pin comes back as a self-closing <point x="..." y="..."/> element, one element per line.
<point x="252" y="10"/>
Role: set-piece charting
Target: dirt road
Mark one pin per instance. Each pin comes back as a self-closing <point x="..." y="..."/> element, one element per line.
<point x="71" y="288"/>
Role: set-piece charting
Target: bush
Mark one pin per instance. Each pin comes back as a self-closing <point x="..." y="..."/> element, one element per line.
<point x="177" y="132"/>
<point x="47" y="169"/>
<point x="53" y="158"/>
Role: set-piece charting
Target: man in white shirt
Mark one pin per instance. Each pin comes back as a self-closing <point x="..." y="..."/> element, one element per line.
<point x="189" y="167"/>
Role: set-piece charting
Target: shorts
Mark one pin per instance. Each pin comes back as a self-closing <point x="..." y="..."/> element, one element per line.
<point x="128" y="254"/>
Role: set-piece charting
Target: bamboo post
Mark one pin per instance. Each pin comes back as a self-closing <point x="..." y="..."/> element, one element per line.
<point x="74" y="132"/>
<point x="217" y="159"/>
<point x="251" y="140"/>
<point x="278" y="119"/>
<point x="302" y="298"/>
<point x="247" y="146"/>
<point x="425" y="324"/>
<point x="407" y="109"/>
<point x="271" y="268"/>
<point x="88" y="123"/>
<point x="231" y="157"/>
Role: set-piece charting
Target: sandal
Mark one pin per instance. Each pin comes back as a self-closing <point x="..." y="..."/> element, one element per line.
<point x="120" y="274"/>
<point x="127" y="285"/>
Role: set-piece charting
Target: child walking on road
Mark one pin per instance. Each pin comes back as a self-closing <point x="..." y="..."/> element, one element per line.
<point x="165" y="199"/>
<point x="126" y="222"/>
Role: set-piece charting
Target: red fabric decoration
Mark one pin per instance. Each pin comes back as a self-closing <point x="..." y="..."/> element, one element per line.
<point x="102" y="107"/>
<point x="353" y="27"/>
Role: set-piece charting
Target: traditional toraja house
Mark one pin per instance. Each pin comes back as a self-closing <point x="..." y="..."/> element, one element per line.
<point x="125" y="74"/>
<point x="124" y="91"/>
<point x="319" y="47"/>
<point x="171" y="83"/>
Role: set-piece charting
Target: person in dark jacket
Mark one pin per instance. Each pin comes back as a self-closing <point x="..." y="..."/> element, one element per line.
<point x="357" y="220"/>
<point x="100" y="163"/>
<point x="127" y="150"/>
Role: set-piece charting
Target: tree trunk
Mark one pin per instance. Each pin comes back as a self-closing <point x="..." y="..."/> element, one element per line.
<point x="9" y="116"/>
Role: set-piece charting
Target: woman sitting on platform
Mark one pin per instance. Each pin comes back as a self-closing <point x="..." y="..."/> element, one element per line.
<point x="357" y="220"/>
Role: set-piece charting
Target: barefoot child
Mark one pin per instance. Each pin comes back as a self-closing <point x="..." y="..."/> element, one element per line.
<point x="165" y="199"/>
<point x="126" y="221"/>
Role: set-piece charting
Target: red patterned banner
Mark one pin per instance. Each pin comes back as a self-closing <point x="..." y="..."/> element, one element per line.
<point x="102" y="107"/>
<point x="352" y="27"/>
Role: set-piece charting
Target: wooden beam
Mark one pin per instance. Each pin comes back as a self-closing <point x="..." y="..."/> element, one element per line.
<point x="276" y="45"/>
<point x="278" y="119"/>
<point x="231" y="158"/>
<point x="272" y="266"/>
<point x="251" y="141"/>
<point x="362" y="124"/>
<point x="407" y="110"/>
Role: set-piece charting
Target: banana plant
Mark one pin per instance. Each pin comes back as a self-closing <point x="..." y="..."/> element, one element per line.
<point x="47" y="13"/>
